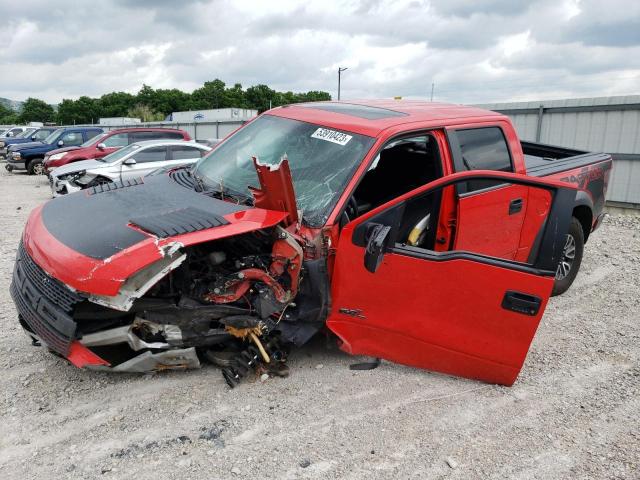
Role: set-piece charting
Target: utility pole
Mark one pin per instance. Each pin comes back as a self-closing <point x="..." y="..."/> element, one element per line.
<point x="433" y="86"/>
<point x="340" y="70"/>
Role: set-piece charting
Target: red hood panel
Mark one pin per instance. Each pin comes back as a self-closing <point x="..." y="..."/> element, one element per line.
<point x="104" y="276"/>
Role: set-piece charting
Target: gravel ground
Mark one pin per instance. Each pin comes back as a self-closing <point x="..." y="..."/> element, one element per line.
<point x="573" y="413"/>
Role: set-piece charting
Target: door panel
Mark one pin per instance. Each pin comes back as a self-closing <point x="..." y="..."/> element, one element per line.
<point x="464" y="313"/>
<point x="479" y="212"/>
<point x="438" y="315"/>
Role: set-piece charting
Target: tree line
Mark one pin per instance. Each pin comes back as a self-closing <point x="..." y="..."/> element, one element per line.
<point x="151" y="104"/>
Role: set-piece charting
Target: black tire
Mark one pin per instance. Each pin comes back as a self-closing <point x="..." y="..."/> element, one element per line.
<point x="100" y="181"/>
<point x="36" y="167"/>
<point x="568" y="267"/>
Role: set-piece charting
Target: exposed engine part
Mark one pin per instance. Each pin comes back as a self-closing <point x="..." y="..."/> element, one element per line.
<point x="237" y="302"/>
<point x="235" y="289"/>
<point x="217" y="258"/>
<point x="250" y="359"/>
<point x="286" y="258"/>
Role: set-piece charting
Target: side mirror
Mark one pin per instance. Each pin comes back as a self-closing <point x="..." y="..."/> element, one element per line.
<point x="9" y="134"/>
<point x="377" y="239"/>
<point x="33" y="138"/>
<point x="101" y="146"/>
<point x="60" y="143"/>
<point x="129" y="161"/>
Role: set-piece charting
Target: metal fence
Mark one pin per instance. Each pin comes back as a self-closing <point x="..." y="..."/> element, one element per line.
<point x="603" y="124"/>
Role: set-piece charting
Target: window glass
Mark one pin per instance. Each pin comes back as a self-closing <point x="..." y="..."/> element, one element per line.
<point x="41" y="135"/>
<point x="119" y="154"/>
<point x="91" y="134"/>
<point x="172" y="135"/>
<point x="26" y="134"/>
<point x="118" y="140"/>
<point x="482" y="149"/>
<point x="184" y="152"/>
<point x="15" y="131"/>
<point x="72" y="139"/>
<point x="53" y="136"/>
<point x="403" y="165"/>
<point x="153" y="154"/>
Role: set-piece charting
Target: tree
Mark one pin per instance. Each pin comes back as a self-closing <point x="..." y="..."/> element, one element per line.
<point x="5" y="111"/>
<point x="115" y="104"/>
<point x="210" y="95"/>
<point x="173" y="100"/>
<point x="144" y="113"/>
<point x="35" y="110"/>
<point x="261" y="97"/>
<point x="7" y="115"/>
<point x="81" y="111"/>
<point x="314" y="96"/>
<point x="235" y="97"/>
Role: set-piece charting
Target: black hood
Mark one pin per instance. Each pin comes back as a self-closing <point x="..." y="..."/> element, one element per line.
<point x="95" y="222"/>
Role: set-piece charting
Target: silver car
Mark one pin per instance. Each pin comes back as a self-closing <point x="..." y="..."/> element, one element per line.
<point x="133" y="161"/>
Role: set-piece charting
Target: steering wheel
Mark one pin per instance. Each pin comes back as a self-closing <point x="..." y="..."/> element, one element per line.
<point x="352" y="208"/>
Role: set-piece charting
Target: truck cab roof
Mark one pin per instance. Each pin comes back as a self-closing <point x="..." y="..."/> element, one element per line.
<point x="370" y="117"/>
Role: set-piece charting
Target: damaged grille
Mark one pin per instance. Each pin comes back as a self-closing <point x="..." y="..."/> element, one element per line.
<point x="108" y="187"/>
<point x="177" y="222"/>
<point x="44" y="304"/>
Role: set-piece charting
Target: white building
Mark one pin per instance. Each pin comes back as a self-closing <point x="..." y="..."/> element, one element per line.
<point x="215" y="115"/>
<point x="118" y="121"/>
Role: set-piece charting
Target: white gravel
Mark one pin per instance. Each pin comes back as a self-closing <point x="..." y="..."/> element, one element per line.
<point x="573" y="413"/>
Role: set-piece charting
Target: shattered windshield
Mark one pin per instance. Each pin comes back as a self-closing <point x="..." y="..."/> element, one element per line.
<point x="322" y="161"/>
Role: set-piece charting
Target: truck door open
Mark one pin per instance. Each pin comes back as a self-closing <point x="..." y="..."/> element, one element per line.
<point x="460" y="312"/>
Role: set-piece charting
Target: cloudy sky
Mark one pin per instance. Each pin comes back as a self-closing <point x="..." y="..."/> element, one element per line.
<point x="474" y="50"/>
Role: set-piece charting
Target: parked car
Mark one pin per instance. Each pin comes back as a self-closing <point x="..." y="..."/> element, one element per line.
<point x="109" y="142"/>
<point x="12" y="132"/>
<point x="426" y="234"/>
<point x="32" y="135"/>
<point x="210" y="142"/>
<point x="133" y="161"/>
<point x="30" y="156"/>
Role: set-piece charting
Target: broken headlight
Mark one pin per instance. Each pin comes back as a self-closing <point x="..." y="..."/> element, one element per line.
<point x="76" y="177"/>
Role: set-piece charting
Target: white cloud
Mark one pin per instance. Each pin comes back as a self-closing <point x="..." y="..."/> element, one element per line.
<point x="475" y="51"/>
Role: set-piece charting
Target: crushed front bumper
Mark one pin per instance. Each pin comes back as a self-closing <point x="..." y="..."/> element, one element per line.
<point x="45" y="305"/>
<point x="61" y="187"/>
<point x="45" y="311"/>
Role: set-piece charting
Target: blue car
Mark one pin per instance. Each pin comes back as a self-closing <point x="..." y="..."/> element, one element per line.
<point x="30" y="135"/>
<point x="29" y="156"/>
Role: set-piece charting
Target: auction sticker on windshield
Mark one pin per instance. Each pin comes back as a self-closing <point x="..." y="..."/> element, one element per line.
<point x="331" y="136"/>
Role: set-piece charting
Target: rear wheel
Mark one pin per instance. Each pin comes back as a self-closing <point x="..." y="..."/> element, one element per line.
<point x="35" y="167"/>
<point x="570" y="259"/>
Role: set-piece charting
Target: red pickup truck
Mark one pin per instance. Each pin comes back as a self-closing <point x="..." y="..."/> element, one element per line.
<point x="109" y="142"/>
<point x="422" y="233"/>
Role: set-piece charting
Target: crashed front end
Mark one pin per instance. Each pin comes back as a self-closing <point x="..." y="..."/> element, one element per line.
<point x="210" y="281"/>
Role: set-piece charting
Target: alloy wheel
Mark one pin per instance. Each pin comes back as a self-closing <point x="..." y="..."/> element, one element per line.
<point x="568" y="256"/>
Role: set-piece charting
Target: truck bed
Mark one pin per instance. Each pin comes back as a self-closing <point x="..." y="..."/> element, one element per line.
<point x="543" y="160"/>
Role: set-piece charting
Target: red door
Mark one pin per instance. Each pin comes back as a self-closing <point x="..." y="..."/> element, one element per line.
<point x="459" y="312"/>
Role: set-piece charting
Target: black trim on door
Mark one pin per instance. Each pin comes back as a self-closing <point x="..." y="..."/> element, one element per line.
<point x="545" y="253"/>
